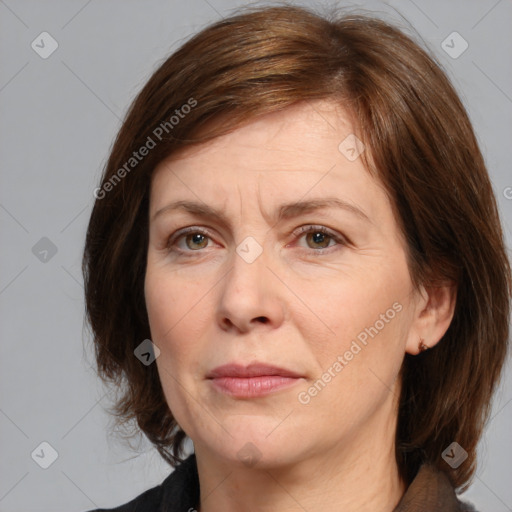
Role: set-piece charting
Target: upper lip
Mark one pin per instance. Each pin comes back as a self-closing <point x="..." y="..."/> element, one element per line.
<point x="251" y="370"/>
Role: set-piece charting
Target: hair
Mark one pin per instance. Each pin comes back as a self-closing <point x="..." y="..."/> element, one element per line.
<point x="420" y="145"/>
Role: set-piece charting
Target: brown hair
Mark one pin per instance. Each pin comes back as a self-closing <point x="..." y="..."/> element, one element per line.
<point x="421" y="146"/>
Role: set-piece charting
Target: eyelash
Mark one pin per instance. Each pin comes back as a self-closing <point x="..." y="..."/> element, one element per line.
<point x="341" y="241"/>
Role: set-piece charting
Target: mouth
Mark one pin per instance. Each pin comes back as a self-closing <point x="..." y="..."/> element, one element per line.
<point x="252" y="381"/>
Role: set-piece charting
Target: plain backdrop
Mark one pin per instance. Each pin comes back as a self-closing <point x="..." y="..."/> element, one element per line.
<point x="58" y="118"/>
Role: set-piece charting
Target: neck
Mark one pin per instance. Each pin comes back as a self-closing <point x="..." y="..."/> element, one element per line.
<point x="357" y="475"/>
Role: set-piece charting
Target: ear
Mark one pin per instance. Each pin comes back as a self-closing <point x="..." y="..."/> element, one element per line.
<point x="434" y="309"/>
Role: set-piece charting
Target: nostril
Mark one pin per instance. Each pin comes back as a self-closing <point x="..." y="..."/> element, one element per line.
<point x="262" y="319"/>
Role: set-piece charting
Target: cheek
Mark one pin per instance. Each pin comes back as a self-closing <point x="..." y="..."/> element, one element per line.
<point x="357" y="368"/>
<point x="173" y="311"/>
<point x="361" y="354"/>
<point x="354" y="307"/>
<point x="170" y="304"/>
<point x="161" y="304"/>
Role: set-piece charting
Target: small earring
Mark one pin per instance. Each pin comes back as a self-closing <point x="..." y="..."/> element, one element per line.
<point x="422" y="347"/>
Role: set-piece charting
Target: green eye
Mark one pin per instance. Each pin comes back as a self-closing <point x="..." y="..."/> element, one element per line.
<point x="196" y="238"/>
<point x="192" y="236"/>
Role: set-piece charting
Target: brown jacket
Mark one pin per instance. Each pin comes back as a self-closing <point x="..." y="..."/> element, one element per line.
<point x="430" y="491"/>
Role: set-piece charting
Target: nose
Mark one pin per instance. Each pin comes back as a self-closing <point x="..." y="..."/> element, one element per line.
<point x="250" y="296"/>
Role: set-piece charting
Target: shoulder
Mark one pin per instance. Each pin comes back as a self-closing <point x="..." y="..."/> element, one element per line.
<point x="148" y="501"/>
<point x="179" y="491"/>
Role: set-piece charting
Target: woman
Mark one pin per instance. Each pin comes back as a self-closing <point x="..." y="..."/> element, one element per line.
<point x="295" y="260"/>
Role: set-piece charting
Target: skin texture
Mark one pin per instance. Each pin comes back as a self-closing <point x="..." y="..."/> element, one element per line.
<point x="299" y="305"/>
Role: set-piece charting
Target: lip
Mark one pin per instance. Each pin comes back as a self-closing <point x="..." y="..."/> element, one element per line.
<point x="256" y="379"/>
<point x="252" y="370"/>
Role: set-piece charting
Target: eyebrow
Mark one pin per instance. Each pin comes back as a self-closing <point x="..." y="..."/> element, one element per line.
<point x="284" y="212"/>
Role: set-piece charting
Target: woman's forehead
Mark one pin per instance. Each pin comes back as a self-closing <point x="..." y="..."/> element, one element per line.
<point x="299" y="127"/>
<point x="238" y="168"/>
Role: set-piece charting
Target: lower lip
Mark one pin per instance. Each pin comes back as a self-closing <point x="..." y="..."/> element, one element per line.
<point x="249" y="387"/>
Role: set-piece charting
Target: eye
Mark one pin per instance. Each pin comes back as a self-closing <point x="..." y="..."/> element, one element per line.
<point x="193" y="238"/>
<point x="319" y="237"/>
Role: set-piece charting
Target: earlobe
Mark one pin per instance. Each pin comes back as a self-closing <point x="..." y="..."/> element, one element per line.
<point x="433" y="317"/>
<point x="417" y="345"/>
<point x="422" y="347"/>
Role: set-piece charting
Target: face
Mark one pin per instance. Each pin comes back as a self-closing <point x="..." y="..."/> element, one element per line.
<point x="321" y="293"/>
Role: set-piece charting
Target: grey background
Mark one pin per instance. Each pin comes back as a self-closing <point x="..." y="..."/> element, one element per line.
<point x="58" y="118"/>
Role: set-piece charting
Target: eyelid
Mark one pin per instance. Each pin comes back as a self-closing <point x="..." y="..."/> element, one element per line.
<point x="316" y="227"/>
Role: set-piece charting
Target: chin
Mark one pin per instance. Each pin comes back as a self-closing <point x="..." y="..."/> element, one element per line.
<point x="250" y="445"/>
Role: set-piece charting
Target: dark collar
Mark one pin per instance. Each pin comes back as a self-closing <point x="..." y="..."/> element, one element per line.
<point x="181" y="488"/>
<point x="430" y="491"/>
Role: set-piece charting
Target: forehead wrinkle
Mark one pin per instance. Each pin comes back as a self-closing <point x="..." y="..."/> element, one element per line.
<point x="266" y="215"/>
<point x="241" y="202"/>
